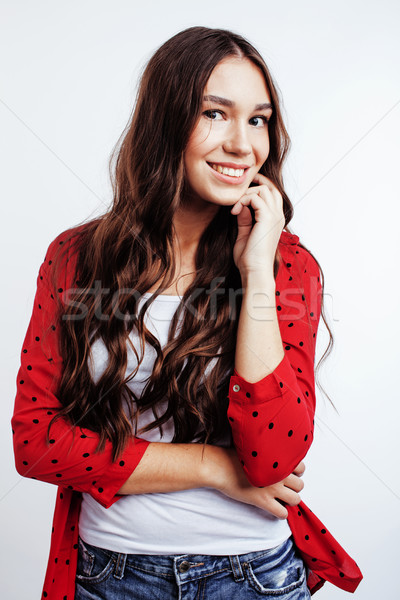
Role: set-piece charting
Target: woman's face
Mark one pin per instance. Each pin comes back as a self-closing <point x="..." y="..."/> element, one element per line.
<point x="230" y="141"/>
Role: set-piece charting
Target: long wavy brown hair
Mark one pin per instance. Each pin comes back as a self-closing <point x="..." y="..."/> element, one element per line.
<point x="130" y="248"/>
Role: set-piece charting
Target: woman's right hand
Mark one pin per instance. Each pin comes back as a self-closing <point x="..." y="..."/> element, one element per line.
<point x="230" y="479"/>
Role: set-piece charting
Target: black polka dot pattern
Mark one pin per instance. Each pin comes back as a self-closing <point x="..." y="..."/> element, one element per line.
<point x="68" y="459"/>
<point x="284" y="402"/>
<point x="64" y="457"/>
<point x="286" y="390"/>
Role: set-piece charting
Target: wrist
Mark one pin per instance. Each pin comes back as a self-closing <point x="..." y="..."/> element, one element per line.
<point x="258" y="279"/>
<point x="217" y="465"/>
<point x="259" y="300"/>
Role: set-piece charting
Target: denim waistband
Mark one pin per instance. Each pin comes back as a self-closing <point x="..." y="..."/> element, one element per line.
<point x="187" y="567"/>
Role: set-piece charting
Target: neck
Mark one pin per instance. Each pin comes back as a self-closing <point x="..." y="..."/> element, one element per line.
<point x="190" y="221"/>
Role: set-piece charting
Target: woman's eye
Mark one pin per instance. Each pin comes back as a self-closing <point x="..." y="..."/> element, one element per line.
<point x="217" y="115"/>
<point x="264" y="120"/>
<point x="211" y="114"/>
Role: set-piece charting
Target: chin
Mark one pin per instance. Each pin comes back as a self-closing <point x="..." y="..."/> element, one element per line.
<point x="220" y="196"/>
<point x="231" y="197"/>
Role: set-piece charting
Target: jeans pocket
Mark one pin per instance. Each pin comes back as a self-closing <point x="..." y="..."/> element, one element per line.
<point x="274" y="575"/>
<point x="94" y="564"/>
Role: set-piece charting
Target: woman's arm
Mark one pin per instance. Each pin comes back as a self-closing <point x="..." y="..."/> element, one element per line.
<point x="70" y="458"/>
<point x="259" y="347"/>
<point x="174" y="467"/>
<point x="272" y="418"/>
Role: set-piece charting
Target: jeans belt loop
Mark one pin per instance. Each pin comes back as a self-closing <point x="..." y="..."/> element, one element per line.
<point x="236" y="568"/>
<point x="119" y="569"/>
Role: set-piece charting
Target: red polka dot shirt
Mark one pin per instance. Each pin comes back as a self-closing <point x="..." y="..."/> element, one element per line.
<point x="272" y="424"/>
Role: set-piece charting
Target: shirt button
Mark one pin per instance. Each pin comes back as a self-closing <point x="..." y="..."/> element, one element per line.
<point x="184" y="566"/>
<point x="236" y="388"/>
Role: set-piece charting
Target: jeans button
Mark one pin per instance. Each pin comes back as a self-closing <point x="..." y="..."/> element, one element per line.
<point x="184" y="566"/>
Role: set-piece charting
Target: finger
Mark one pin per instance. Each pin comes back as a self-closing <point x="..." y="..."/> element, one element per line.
<point x="277" y="508"/>
<point x="294" y="482"/>
<point x="257" y="201"/>
<point x="263" y="180"/>
<point x="271" y="197"/>
<point x="244" y="221"/>
<point x="289" y="496"/>
<point x="299" y="470"/>
<point x="244" y="201"/>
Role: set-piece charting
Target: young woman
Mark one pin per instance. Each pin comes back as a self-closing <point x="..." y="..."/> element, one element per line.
<point x="167" y="374"/>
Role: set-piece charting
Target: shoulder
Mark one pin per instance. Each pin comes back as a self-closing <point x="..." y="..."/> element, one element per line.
<point x="66" y="239"/>
<point x="296" y="259"/>
<point x="59" y="264"/>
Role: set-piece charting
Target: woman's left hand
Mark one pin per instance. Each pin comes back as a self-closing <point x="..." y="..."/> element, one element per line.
<point x="255" y="246"/>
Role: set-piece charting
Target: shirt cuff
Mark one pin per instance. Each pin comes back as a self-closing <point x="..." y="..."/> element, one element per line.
<point x="105" y="490"/>
<point x="279" y="382"/>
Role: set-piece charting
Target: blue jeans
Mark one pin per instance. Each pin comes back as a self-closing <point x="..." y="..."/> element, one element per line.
<point x="276" y="573"/>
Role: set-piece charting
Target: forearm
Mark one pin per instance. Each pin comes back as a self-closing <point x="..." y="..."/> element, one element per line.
<point x="259" y="346"/>
<point x="272" y="417"/>
<point x="174" y="467"/>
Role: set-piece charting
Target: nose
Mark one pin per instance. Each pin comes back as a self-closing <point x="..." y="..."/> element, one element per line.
<point x="237" y="139"/>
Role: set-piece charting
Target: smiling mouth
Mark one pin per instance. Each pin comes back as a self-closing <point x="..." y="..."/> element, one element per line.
<point x="230" y="172"/>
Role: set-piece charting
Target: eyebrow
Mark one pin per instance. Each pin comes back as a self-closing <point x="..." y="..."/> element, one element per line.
<point x="230" y="103"/>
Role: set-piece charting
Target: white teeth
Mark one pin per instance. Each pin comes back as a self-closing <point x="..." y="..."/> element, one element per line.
<point x="228" y="171"/>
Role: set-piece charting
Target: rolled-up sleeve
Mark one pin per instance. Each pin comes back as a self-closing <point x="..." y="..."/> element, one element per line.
<point x="69" y="458"/>
<point x="272" y="420"/>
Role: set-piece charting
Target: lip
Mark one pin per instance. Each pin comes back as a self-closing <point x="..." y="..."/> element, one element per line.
<point x="228" y="178"/>
<point x="229" y="165"/>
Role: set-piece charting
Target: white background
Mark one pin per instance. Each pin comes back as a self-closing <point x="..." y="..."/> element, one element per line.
<point x="69" y="71"/>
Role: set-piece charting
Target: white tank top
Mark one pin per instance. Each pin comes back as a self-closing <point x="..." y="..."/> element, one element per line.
<point x="195" y="521"/>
